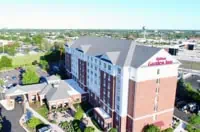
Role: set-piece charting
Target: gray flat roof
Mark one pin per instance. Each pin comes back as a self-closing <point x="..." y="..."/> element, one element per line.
<point x="65" y="89"/>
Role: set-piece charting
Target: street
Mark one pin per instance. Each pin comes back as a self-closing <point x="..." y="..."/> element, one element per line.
<point x="11" y="119"/>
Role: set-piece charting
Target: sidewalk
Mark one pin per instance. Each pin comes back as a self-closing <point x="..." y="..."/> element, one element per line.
<point x="180" y="127"/>
<point x="4" y="103"/>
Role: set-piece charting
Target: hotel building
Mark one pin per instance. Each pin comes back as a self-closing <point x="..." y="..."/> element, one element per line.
<point x="130" y="85"/>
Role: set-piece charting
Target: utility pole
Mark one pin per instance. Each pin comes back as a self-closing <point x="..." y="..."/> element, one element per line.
<point x="144" y="31"/>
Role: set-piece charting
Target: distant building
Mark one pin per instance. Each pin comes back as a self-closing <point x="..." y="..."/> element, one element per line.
<point x="6" y="42"/>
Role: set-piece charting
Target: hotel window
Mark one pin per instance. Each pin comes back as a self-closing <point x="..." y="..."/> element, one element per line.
<point x="108" y="77"/>
<point x="108" y="85"/>
<point x="117" y="118"/>
<point x="108" y="94"/>
<point x="104" y="76"/>
<point x="105" y="65"/>
<point x="88" y="64"/>
<point x="91" y="66"/>
<point x="154" y="117"/>
<point x="117" y="107"/>
<point x="157" y="81"/>
<point x="104" y="107"/>
<point x="155" y="107"/>
<point x="118" y="98"/>
<point x="158" y="71"/>
<point x="119" y="71"/>
<point x="104" y="83"/>
<point x="91" y="59"/>
<point x="100" y="62"/>
<point x="95" y="68"/>
<point x="109" y="67"/>
<point x="157" y="89"/>
<point x="95" y="60"/>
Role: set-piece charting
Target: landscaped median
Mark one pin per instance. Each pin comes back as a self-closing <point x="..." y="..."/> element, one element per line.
<point x="32" y="123"/>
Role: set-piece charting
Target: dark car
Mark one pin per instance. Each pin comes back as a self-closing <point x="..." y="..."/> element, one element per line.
<point x="14" y="84"/>
<point x="19" y="99"/>
<point x="45" y="128"/>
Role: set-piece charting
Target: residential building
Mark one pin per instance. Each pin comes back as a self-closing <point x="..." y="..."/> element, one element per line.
<point x="130" y="85"/>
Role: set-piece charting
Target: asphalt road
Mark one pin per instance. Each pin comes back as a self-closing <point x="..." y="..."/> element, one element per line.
<point x="183" y="116"/>
<point x="11" y="119"/>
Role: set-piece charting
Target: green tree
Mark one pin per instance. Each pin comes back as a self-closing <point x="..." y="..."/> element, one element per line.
<point x="5" y="62"/>
<point x="27" y="40"/>
<point x="1" y="121"/>
<point x="79" y="114"/>
<point x="33" y="122"/>
<point x="113" y="130"/>
<point x="194" y="120"/>
<point x="37" y="39"/>
<point x="151" y="128"/>
<point x="191" y="128"/>
<point x="89" y="129"/>
<point x="193" y="124"/>
<point x="45" y="45"/>
<point x="1" y="82"/>
<point x="168" y="130"/>
<point x="30" y="76"/>
<point x="44" y="64"/>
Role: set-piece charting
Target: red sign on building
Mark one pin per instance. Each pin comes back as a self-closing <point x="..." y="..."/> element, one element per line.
<point x="160" y="61"/>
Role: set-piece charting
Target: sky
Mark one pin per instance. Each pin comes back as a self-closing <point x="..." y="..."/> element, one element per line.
<point x="100" y="14"/>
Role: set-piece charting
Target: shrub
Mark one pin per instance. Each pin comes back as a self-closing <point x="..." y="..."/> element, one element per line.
<point x="89" y="129"/>
<point x="151" y="128"/>
<point x="33" y="122"/>
<point x="168" y="130"/>
<point x="79" y="114"/>
<point x="113" y="130"/>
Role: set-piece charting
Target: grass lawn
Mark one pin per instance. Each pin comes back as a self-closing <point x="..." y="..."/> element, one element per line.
<point x="84" y="106"/>
<point x="26" y="60"/>
<point x="42" y="110"/>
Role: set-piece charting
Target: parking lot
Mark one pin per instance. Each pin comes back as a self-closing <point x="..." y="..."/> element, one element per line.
<point x="11" y="119"/>
<point x="184" y="109"/>
<point x="193" y="80"/>
<point x="13" y="77"/>
<point x="10" y="77"/>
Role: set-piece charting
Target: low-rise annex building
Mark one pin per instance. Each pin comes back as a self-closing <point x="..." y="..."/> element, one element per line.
<point x="56" y="92"/>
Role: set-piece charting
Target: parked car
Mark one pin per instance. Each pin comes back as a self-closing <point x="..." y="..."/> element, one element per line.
<point x="192" y="107"/>
<point x="9" y="86"/>
<point x="45" y="128"/>
<point x="14" y="77"/>
<point x="14" y="84"/>
<point x="19" y="99"/>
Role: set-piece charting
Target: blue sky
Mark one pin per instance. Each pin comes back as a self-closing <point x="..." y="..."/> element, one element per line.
<point x="100" y="14"/>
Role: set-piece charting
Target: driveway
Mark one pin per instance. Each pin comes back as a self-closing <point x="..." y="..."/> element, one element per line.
<point x="11" y="119"/>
